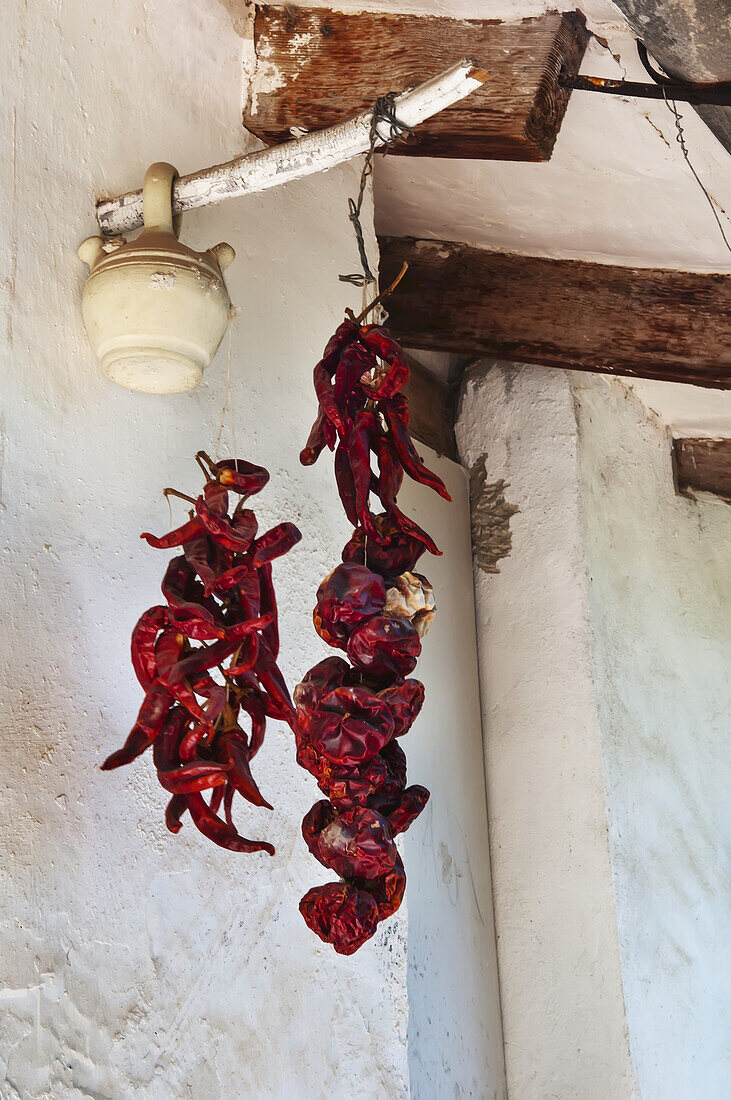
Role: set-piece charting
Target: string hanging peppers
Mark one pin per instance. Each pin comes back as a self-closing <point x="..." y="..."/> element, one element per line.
<point x="219" y="593"/>
<point x="376" y="609"/>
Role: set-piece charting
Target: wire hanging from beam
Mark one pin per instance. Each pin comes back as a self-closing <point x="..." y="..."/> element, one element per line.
<point x="384" y="110"/>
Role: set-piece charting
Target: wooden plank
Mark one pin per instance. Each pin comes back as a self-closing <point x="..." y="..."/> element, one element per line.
<point x="703" y="466"/>
<point x="431" y="410"/>
<point x="641" y="322"/>
<point x="316" y="67"/>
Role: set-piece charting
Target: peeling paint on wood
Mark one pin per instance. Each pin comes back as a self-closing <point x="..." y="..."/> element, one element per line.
<point x="314" y="52"/>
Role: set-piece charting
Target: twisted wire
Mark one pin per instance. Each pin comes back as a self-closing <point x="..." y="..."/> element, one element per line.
<point x="384" y="111"/>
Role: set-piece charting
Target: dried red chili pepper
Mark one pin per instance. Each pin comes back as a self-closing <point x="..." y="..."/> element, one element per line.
<point x="405" y="699"/>
<point x="358" y="842"/>
<point x="348" y="596"/>
<point x="340" y="914"/>
<point x="348" y="726"/>
<point x="385" y="647"/>
<point x="191" y="720"/>
<point x="241" y="477"/>
<point x="371" y="606"/>
<point x="144" y="637"/>
<point x="274" y="543"/>
<point x="315" y="443"/>
<point x="393" y="553"/>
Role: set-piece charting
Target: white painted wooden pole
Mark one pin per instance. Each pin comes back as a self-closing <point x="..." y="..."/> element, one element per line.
<point x="314" y="152"/>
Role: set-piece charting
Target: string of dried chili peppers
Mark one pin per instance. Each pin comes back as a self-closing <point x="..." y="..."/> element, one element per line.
<point x="377" y="609"/>
<point x="219" y="593"/>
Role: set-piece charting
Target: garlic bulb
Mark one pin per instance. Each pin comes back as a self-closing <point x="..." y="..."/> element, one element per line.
<point x="411" y="597"/>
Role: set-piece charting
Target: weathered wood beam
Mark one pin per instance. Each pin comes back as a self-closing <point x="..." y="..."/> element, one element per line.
<point x="315" y="67"/>
<point x="702" y="467"/>
<point x="431" y="410"/>
<point x="641" y="322"/>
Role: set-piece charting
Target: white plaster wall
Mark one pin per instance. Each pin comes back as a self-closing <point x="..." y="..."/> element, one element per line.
<point x="660" y="594"/>
<point x="455" y="1034"/>
<point x="558" y="953"/>
<point x="134" y="963"/>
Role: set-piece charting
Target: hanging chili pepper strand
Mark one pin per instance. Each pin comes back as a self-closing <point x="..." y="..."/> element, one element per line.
<point x="219" y="593"/>
<point x="376" y="609"/>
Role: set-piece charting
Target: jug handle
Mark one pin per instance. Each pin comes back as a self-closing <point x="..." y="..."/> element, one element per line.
<point x="157" y="198"/>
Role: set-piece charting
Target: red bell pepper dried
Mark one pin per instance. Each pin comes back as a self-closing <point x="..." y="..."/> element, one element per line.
<point x="314" y="821"/>
<point x="405" y="699"/>
<point x="393" y="553"/>
<point x="347" y="597"/>
<point x="340" y="914"/>
<point x="192" y="720"/>
<point x="413" y="801"/>
<point x="357" y="843"/>
<point x="320" y="680"/>
<point x="387" y="891"/>
<point x="349" y="725"/>
<point x="385" y="647"/>
<point x="349" y="714"/>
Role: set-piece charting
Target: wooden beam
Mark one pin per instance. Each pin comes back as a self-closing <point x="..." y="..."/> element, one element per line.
<point x="702" y="467"/>
<point x="431" y="410"/>
<point x="641" y="322"/>
<point x="315" y="67"/>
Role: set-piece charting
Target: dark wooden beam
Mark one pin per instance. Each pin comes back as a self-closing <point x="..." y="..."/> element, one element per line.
<point x="643" y="322"/>
<point x="329" y="65"/>
<point x="431" y="410"/>
<point x="703" y="466"/>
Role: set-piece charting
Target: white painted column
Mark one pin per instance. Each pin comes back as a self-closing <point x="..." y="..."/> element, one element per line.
<point x="455" y="1037"/>
<point x="558" y="953"/>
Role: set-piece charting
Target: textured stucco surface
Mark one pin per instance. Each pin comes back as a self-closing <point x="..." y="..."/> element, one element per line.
<point x="135" y="963"/>
<point x="558" y="953"/>
<point x="660" y="593"/>
<point x="605" y="644"/>
<point x="455" y="1035"/>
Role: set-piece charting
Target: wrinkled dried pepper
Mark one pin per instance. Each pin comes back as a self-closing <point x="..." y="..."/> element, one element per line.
<point x="376" y="609"/>
<point x="218" y="592"/>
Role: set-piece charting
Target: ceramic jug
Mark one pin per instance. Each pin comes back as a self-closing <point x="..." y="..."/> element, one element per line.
<point x="155" y="310"/>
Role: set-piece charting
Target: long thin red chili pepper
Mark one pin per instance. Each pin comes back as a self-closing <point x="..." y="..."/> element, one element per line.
<point x="218" y="592"/>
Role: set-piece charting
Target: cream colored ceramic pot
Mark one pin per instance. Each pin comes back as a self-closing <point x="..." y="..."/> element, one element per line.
<point x="155" y="311"/>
